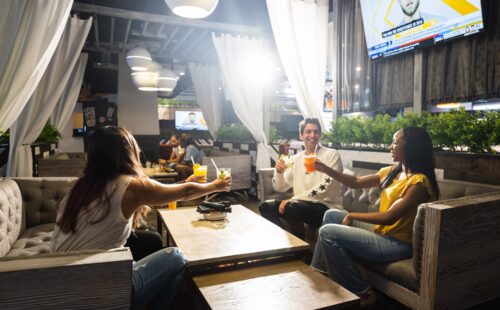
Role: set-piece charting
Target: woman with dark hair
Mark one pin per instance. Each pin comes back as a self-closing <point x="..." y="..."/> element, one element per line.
<point x="404" y="187"/>
<point x="98" y="211"/>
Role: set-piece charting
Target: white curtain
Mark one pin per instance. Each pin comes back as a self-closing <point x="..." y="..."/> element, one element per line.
<point x="207" y="84"/>
<point x="37" y="111"/>
<point x="300" y="31"/>
<point x="66" y="104"/>
<point x="29" y="33"/>
<point x="246" y="92"/>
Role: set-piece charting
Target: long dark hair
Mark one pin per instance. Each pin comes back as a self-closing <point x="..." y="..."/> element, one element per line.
<point x="112" y="151"/>
<point x="419" y="157"/>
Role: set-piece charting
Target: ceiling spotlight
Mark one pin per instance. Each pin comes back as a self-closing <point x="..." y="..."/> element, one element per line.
<point x="192" y="8"/>
<point x="138" y="59"/>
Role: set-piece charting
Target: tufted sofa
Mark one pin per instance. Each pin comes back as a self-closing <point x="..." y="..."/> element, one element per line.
<point x="31" y="276"/>
<point x="456" y="245"/>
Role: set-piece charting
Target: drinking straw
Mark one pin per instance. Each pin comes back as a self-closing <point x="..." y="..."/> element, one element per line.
<point x="213" y="162"/>
<point x="315" y="149"/>
<point x="192" y="160"/>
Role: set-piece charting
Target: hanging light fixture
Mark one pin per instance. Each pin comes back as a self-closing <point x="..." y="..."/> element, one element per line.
<point x="147" y="80"/>
<point x="138" y="59"/>
<point x="166" y="80"/>
<point x="192" y="8"/>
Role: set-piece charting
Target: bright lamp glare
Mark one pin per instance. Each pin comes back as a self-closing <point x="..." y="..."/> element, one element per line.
<point x="191" y="12"/>
<point x="258" y="68"/>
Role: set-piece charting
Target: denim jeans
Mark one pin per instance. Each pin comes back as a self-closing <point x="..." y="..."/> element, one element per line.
<point x="156" y="277"/>
<point x="337" y="242"/>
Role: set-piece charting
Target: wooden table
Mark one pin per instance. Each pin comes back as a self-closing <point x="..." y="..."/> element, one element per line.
<point x="243" y="236"/>
<point x="291" y="285"/>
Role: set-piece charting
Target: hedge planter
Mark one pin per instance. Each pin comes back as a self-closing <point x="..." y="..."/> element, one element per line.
<point x="480" y="168"/>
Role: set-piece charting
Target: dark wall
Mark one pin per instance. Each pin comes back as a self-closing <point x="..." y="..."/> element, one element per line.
<point x="150" y="147"/>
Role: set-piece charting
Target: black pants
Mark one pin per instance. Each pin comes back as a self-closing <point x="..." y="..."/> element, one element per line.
<point x="143" y="242"/>
<point x="297" y="212"/>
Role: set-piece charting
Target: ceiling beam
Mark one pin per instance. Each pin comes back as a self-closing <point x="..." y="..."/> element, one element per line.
<point x="138" y="33"/>
<point x="165" y="45"/>
<point x="125" y="39"/>
<point x="96" y="31"/>
<point x="164" y="19"/>
<point x="176" y="47"/>
<point x="145" y="28"/>
<point x="111" y="36"/>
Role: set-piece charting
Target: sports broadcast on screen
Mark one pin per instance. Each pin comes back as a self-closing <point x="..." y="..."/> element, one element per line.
<point x="396" y="26"/>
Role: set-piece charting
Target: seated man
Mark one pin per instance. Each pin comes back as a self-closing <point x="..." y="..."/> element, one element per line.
<point x="192" y="155"/>
<point x="313" y="192"/>
<point x="177" y="151"/>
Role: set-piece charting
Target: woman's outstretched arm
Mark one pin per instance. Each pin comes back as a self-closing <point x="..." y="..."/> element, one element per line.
<point x="371" y="180"/>
<point x="142" y="191"/>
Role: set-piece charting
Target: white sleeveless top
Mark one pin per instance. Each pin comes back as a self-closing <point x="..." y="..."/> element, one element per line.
<point x="109" y="233"/>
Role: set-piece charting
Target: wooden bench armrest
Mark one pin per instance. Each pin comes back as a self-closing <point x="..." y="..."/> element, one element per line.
<point x="89" y="279"/>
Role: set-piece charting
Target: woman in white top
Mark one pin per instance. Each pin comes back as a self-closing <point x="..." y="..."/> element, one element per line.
<point x="97" y="212"/>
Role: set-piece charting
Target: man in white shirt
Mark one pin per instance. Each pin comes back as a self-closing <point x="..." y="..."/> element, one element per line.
<point x="313" y="193"/>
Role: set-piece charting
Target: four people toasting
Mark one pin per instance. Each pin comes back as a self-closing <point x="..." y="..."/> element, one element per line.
<point x="97" y="212"/>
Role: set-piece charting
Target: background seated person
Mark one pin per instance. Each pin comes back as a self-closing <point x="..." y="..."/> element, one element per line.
<point x="313" y="193"/>
<point x="177" y="152"/>
<point x="191" y="153"/>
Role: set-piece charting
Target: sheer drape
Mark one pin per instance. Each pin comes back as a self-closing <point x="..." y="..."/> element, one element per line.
<point x="66" y="104"/>
<point x="29" y="34"/>
<point x="37" y="111"/>
<point x="360" y="84"/>
<point x="468" y="68"/>
<point x="300" y="31"/>
<point x="246" y="96"/>
<point x="351" y="66"/>
<point x="207" y="82"/>
<point x="392" y="82"/>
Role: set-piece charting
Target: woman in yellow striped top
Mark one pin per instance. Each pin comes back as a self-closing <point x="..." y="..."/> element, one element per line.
<point x="404" y="186"/>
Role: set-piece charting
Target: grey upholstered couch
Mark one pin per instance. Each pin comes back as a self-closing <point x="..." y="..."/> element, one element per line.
<point x="33" y="278"/>
<point x="456" y="245"/>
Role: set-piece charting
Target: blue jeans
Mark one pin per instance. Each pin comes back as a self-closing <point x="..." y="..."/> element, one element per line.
<point x="337" y="242"/>
<point x="156" y="277"/>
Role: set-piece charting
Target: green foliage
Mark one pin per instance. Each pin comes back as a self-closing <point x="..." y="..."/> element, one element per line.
<point x="457" y="129"/>
<point x="4" y="137"/>
<point x="165" y="102"/>
<point x="236" y="133"/>
<point x="49" y="134"/>
<point x="274" y="134"/>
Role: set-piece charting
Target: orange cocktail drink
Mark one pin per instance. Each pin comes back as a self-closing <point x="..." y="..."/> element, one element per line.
<point x="200" y="171"/>
<point x="309" y="162"/>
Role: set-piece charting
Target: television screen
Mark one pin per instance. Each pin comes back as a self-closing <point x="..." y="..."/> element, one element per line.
<point x="393" y="27"/>
<point x="190" y="120"/>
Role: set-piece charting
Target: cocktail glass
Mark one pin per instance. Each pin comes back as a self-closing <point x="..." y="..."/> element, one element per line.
<point x="201" y="171"/>
<point x="223" y="172"/>
<point x="309" y="162"/>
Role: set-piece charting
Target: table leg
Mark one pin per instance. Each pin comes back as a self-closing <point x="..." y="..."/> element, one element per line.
<point x="159" y="223"/>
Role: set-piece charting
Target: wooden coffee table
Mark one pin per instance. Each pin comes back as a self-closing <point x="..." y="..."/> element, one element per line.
<point x="290" y="285"/>
<point x="242" y="236"/>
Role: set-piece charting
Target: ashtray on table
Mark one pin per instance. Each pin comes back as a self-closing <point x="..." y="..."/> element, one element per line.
<point x="214" y="216"/>
<point x="214" y="211"/>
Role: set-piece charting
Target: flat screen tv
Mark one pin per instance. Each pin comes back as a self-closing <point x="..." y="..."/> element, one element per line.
<point x="394" y="27"/>
<point x="190" y="120"/>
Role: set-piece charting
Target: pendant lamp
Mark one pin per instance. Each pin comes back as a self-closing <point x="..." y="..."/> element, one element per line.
<point x="138" y="59"/>
<point x="147" y="80"/>
<point x="166" y="80"/>
<point x="192" y="8"/>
